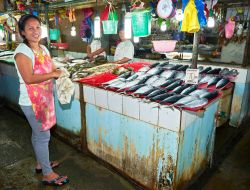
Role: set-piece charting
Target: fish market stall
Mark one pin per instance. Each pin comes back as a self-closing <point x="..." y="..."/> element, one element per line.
<point x="150" y="125"/>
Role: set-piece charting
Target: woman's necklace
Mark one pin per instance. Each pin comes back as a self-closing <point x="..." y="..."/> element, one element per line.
<point x="38" y="52"/>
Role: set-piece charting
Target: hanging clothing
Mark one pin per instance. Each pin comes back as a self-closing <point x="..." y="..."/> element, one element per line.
<point x="124" y="49"/>
<point x="41" y="94"/>
<point x="190" y="22"/>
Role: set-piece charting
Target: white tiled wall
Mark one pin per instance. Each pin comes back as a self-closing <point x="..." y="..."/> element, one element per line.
<point x="89" y="94"/>
<point x="149" y="112"/>
<point x="131" y="106"/>
<point x="101" y="98"/>
<point x="115" y="102"/>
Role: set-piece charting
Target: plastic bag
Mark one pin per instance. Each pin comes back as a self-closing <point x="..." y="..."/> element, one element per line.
<point x="190" y="22"/>
<point x="201" y="16"/>
<point x="229" y="28"/>
<point x="105" y="14"/>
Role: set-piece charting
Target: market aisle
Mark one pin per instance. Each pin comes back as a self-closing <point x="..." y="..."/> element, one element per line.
<point x="17" y="162"/>
<point x="234" y="172"/>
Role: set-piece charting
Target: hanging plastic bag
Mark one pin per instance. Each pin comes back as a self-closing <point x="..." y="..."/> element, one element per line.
<point x="184" y="4"/>
<point x="190" y="22"/>
<point x="229" y="28"/>
<point x="200" y="5"/>
<point x="105" y="14"/>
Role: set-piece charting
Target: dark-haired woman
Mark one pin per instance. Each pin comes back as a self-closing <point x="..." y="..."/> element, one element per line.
<point x="36" y="73"/>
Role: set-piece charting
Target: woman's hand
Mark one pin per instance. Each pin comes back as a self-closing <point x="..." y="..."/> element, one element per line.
<point x="57" y="73"/>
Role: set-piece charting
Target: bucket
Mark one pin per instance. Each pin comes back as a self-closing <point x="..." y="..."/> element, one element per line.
<point x="141" y="23"/>
<point x="54" y="34"/>
<point x="110" y="26"/>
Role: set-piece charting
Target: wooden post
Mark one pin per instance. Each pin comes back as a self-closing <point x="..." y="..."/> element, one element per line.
<point x="47" y="23"/>
<point x="195" y="50"/>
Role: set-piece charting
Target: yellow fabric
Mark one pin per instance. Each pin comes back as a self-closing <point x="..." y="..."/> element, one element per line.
<point x="190" y="22"/>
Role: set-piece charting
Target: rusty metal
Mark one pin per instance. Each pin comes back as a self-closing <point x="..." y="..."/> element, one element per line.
<point x="83" y="132"/>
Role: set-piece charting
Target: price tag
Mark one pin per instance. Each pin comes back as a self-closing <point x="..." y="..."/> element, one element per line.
<point x="192" y="76"/>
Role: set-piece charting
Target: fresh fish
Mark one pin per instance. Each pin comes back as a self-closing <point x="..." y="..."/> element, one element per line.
<point x="159" y="82"/>
<point x="214" y="71"/>
<point x="168" y="82"/>
<point x="179" y="89"/>
<point x="168" y="74"/>
<point x="205" y="79"/>
<point x="154" y="65"/>
<point x="198" y="92"/>
<point x="224" y="71"/>
<point x="173" y="85"/>
<point x="233" y="72"/>
<point x="209" y="95"/>
<point x="168" y="66"/>
<point x="221" y="83"/>
<point x="130" y="84"/>
<point x="161" y="97"/>
<point x="145" y="90"/>
<point x="155" y="93"/>
<point x="185" y="100"/>
<point x="132" y="77"/>
<point x="195" y="103"/>
<point x="144" y="69"/>
<point x="134" y="88"/>
<point x="213" y="81"/>
<point x="152" y="79"/>
<point x="176" y="67"/>
<point x="200" y="68"/>
<point x="180" y="75"/>
<point x="163" y="64"/>
<point x="204" y="71"/>
<point x="117" y="85"/>
<point x="183" y="68"/>
<point x="189" y="89"/>
<point x="172" y="99"/>
<point x="144" y="75"/>
<point x="155" y="71"/>
<point x="125" y="75"/>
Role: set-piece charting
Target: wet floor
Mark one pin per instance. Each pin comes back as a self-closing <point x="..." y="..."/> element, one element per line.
<point x="231" y="170"/>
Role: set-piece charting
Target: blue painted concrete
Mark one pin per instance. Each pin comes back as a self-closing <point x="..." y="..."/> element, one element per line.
<point x="9" y="88"/>
<point x="115" y="127"/>
<point x="69" y="115"/>
<point x="196" y="144"/>
<point x="240" y="100"/>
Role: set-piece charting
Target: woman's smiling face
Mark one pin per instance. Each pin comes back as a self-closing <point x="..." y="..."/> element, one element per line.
<point x="32" y="30"/>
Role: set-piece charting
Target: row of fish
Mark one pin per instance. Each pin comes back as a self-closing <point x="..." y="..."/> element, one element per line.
<point x="162" y="86"/>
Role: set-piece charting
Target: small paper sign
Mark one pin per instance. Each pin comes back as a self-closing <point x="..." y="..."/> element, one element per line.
<point x="192" y="76"/>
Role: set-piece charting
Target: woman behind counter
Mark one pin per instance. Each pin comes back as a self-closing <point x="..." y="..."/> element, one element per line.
<point x="36" y="73"/>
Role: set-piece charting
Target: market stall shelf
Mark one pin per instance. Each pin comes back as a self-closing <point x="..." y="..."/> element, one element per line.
<point x="158" y="147"/>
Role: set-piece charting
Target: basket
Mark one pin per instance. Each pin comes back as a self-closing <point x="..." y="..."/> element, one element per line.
<point x="141" y="23"/>
<point x="54" y="34"/>
<point x="164" y="46"/>
<point x="110" y="26"/>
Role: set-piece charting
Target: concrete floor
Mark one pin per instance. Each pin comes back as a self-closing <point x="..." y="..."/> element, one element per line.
<point x="17" y="162"/>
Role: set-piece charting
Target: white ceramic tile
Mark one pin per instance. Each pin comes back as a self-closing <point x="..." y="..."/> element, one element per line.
<point x="115" y="102"/>
<point x="130" y="107"/>
<point x="149" y="112"/>
<point x="89" y="94"/>
<point x="169" y="118"/>
<point x="101" y="98"/>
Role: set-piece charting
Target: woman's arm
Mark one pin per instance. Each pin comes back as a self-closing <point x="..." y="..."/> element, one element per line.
<point x="123" y="60"/>
<point x="24" y="65"/>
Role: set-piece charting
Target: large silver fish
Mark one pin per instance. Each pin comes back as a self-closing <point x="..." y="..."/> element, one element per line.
<point x="161" y="97"/>
<point x="129" y="84"/>
<point x="198" y="92"/>
<point x="183" y="68"/>
<point x="152" y="79"/>
<point x="134" y="88"/>
<point x="179" y="89"/>
<point x="160" y="81"/>
<point x="168" y="74"/>
<point x="214" y="71"/>
<point x="221" y="83"/>
<point x="204" y="71"/>
<point x="195" y="103"/>
<point x="180" y="75"/>
<point x="185" y="100"/>
<point x="205" y="79"/>
<point x="144" y="69"/>
<point x="145" y="90"/>
<point x="213" y="81"/>
<point x="113" y="81"/>
<point x="155" y="93"/>
<point x="172" y="99"/>
<point x="173" y="85"/>
<point x="189" y="89"/>
<point x="155" y="70"/>
<point x="209" y="95"/>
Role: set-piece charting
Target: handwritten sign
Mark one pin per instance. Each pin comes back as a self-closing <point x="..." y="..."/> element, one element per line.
<point x="192" y="76"/>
